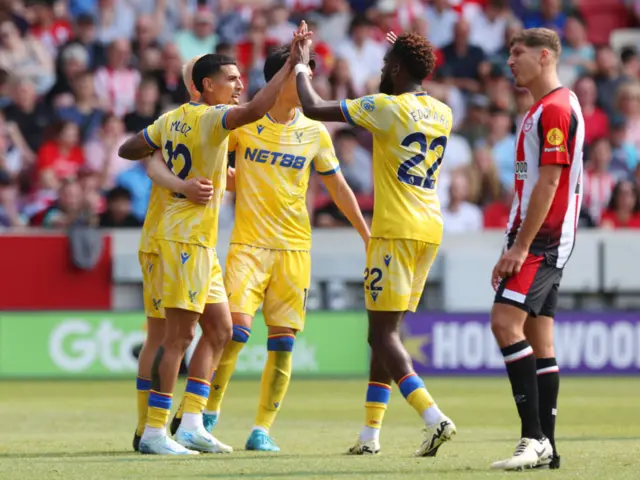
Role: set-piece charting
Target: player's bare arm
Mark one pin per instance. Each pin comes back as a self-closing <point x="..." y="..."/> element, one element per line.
<point x="313" y="106"/>
<point x="196" y="190"/>
<point x="344" y="198"/>
<point x="539" y="205"/>
<point x="231" y="179"/>
<point x="135" y="147"/>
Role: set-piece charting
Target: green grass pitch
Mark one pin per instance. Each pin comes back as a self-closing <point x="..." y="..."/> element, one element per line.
<point x="83" y="430"/>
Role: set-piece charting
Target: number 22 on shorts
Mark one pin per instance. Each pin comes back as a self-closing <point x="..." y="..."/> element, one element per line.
<point x="376" y="277"/>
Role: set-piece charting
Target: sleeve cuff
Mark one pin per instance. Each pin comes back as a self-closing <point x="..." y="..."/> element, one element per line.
<point x="147" y="139"/>
<point x="224" y="119"/>
<point x="330" y="172"/>
<point x="345" y="113"/>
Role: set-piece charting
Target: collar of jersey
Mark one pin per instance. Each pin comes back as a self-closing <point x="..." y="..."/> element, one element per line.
<point x="295" y="119"/>
<point x="195" y="104"/>
<point x="420" y="94"/>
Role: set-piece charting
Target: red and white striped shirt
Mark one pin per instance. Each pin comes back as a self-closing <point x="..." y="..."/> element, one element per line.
<point x="552" y="133"/>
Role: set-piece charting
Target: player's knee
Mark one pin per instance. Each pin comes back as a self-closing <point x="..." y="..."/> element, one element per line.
<point x="219" y="336"/>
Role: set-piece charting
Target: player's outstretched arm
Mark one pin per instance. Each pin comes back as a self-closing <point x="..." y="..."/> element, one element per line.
<point x="136" y="147"/>
<point x="260" y="104"/>
<point x="196" y="190"/>
<point x="345" y="199"/>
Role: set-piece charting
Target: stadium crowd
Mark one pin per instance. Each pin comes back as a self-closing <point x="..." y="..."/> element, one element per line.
<point x="78" y="76"/>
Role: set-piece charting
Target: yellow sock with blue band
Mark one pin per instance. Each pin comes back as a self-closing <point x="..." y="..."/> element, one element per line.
<point x="227" y="365"/>
<point x="143" y="386"/>
<point x="196" y="395"/>
<point x="275" y="378"/>
<point x="375" y="406"/>
<point x="159" y="409"/>
<point x="413" y="389"/>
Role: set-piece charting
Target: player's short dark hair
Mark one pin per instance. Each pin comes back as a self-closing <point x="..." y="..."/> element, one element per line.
<point x="207" y="66"/>
<point x="276" y="60"/>
<point x="539" y="38"/>
<point x="416" y="55"/>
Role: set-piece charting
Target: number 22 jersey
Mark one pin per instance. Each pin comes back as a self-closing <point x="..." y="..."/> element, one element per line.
<point x="194" y="140"/>
<point x="410" y="133"/>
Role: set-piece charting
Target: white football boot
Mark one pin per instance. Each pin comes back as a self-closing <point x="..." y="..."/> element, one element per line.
<point x="200" y="440"/>
<point x="529" y="453"/>
<point x="435" y="435"/>
<point x="370" y="447"/>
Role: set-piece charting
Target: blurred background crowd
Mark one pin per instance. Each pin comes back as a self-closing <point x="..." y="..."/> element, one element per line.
<point x="78" y="76"/>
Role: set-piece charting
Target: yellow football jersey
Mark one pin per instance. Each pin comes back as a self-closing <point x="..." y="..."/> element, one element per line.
<point x="410" y="133"/>
<point x="152" y="219"/>
<point x="194" y="140"/>
<point x="273" y="163"/>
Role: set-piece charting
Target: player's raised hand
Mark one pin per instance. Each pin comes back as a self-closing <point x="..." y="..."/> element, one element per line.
<point x="301" y="45"/>
<point x="391" y="37"/>
<point x="198" y="190"/>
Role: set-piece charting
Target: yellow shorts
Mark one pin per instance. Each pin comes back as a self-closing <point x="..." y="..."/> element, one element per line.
<point x="191" y="276"/>
<point x="151" y="284"/>
<point x="396" y="273"/>
<point x="279" y="278"/>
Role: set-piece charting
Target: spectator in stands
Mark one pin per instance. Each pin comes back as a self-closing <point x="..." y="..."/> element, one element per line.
<point x="466" y="61"/>
<point x="442" y="20"/>
<point x="61" y="156"/>
<point x="74" y="61"/>
<point x="630" y="62"/>
<point x="85" y="35"/>
<point x="145" y="39"/>
<point x="549" y="16"/>
<point x="489" y="26"/>
<point x="442" y="86"/>
<point x="233" y="19"/>
<point x="135" y="180"/>
<point x="172" y="89"/>
<point x="608" y="78"/>
<point x="102" y="152"/>
<point x="460" y="215"/>
<point x="119" y="213"/>
<point x="252" y="51"/>
<point x="577" y="52"/>
<point x="596" y="121"/>
<point x="363" y="54"/>
<point x="11" y="158"/>
<point x="52" y="32"/>
<point x="502" y="143"/>
<point x="500" y="57"/>
<point x="280" y="28"/>
<point x="200" y="39"/>
<point x="624" y="207"/>
<point x="25" y="57"/>
<point x="628" y="104"/>
<point x="499" y="88"/>
<point x="5" y="89"/>
<point x="355" y="161"/>
<point x="474" y="127"/>
<point x="625" y="157"/>
<point x="85" y="111"/>
<point x="28" y="116"/>
<point x="484" y="182"/>
<point x="146" y="111"/>
<point x="341" y="81"/>
<point x="333" y="19"/>
<point x="385" y="18"/>
<point x="524" y="101"/>
<point x="496" y="214"/>
<point x="598" y="180"/>
<point x="115" y="20"/>
<point x="9" y="214"/>
<point x="116" y="83"/>
<point x="70" y="207"/>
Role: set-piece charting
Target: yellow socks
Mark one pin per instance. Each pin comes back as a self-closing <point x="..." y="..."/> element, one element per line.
<point x="159" y="409"/>
<point x="196" y="395"/>
<point x="413" y="389"/>
<point x="275" y="378"/>
<point x="142" y="386"/>
<point x="375" y="407"/>
<point x="226" y="366"/>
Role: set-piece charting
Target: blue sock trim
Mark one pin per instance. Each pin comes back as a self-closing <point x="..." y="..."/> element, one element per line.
<point x="281" y="343"/>
<point x="410" y="384"/>
<point x="240" y="334"/>
<point x="143" y="384"/>
<point x="197" y="388"/>
<point x="378" y="394"/>
<point x="158" y="400"/>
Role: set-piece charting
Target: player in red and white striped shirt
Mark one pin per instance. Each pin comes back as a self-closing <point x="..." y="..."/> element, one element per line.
<point x="539" y="240"/>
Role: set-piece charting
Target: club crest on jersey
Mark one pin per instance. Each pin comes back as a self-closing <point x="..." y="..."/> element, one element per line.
<point x="521" y="170"/>
<point x="299" y="136"/>
<point x="260" y="128"/>
<point x="528" y="125"/>
<point x="555" y="137"/>
<point x="368" y="103"/>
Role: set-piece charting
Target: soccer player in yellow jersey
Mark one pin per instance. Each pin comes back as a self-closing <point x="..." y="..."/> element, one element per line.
<point x="410" y="132"/>
<point x="269" y="262"/>
<point x="194" y="140"/>
<point x="198" y="190"/>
